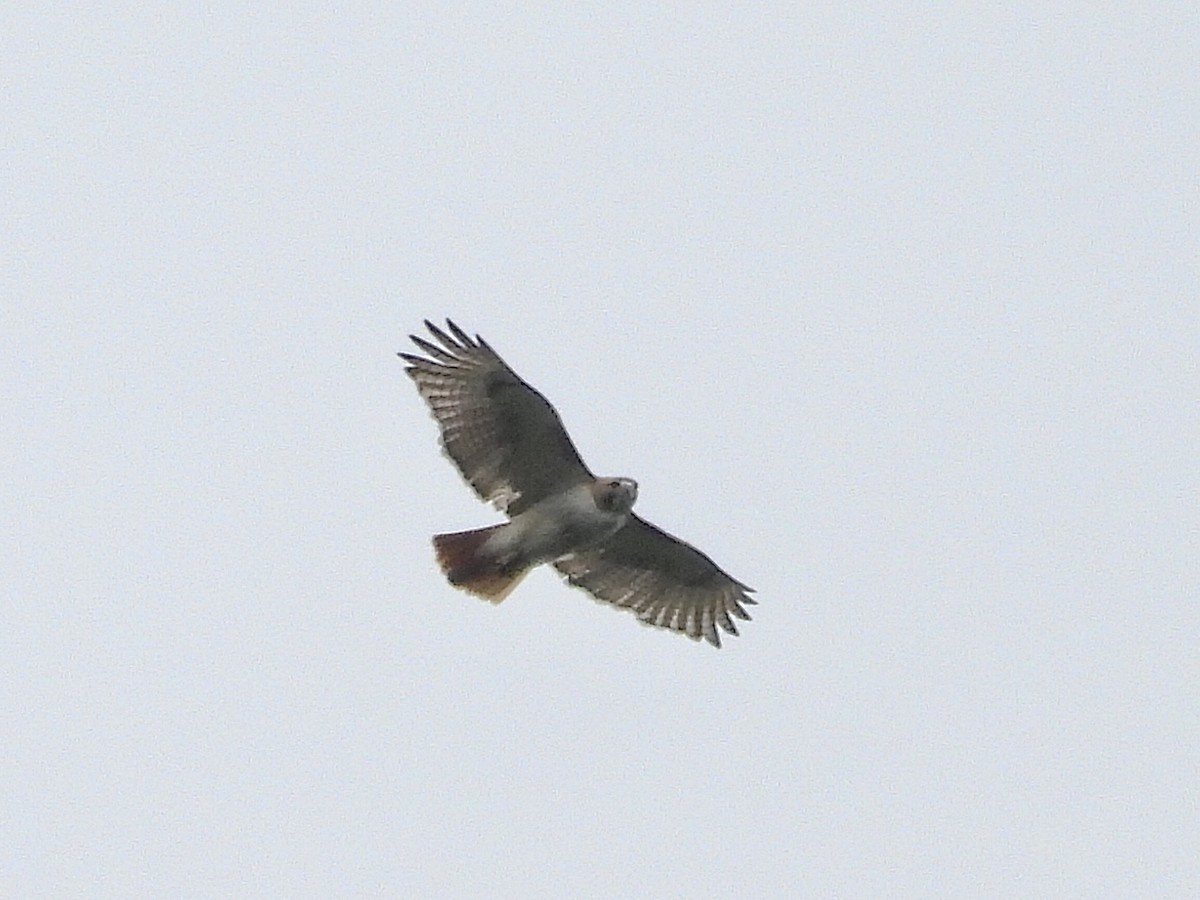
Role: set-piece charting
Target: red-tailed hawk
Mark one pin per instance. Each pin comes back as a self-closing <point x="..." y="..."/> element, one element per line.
<point x="510" y="445"/>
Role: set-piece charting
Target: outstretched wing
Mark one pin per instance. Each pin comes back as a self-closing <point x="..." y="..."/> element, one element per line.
<point x="505" y="437"/>
<point x="663" y="580"/>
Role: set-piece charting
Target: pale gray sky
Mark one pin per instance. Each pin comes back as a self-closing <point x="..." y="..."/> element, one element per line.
<point x="892" y="313"/>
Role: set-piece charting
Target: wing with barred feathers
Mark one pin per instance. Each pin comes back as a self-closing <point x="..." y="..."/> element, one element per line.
<point x="663" y="580"/>
<point x="505" y="437"/>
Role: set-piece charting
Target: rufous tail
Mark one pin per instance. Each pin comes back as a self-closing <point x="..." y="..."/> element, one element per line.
<point x="468" y="566"/>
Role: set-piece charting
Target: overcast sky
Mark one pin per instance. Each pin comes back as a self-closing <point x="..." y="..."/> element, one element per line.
<point x="894" y="314"/>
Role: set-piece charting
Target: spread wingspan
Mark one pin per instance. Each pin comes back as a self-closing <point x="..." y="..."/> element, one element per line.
<point x="510" y="445"/>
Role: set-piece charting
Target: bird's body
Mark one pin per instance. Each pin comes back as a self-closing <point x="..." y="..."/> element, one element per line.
<point x="490" y="562"/>
<point x="566" y="522"/>
<point x="508" y="442"/>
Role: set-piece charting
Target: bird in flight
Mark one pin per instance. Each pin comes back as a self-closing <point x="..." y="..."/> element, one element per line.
<point x="510" y="445"/>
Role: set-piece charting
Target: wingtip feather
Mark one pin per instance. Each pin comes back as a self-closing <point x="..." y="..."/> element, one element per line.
<point x="462" y="336"/>
<point x="441" y="335"/>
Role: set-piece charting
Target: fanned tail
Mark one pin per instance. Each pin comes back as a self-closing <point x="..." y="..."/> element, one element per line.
<point x="467" y="564"/>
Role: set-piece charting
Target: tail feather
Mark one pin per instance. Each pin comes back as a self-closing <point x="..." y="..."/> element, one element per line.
<point x="469" y="566"/>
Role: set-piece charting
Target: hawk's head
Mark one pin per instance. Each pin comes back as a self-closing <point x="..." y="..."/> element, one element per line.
<point x="615" y="495"/>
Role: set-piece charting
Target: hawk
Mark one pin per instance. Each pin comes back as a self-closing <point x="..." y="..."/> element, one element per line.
<point x="510" y="445"/>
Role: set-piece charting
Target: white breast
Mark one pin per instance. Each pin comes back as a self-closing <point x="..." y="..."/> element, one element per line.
<point x="557" y="526"/>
